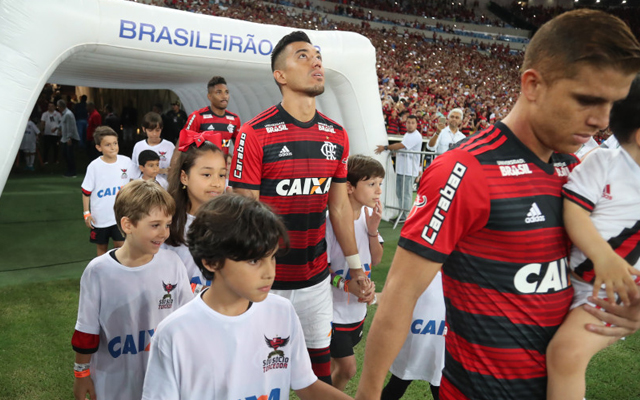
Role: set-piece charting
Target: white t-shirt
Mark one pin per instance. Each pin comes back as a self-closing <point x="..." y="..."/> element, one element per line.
<point x="164" y="149"/>
<point x="346" y="309"/>
<point x="422" y="355"/>
<point x="607" y="184"/>
<point x="409" y="164"/>
<point x="102" y="182"/>
<point x="586" y="148"/>
<point x="124" y="305"/>
<point x="610" y="143"/>
<point x="194" y="273"/>
<point x="445" y="139"/>
<point x="28" y="143"/>
<point x="198" y="353"/>
<point x="51" y="121"/>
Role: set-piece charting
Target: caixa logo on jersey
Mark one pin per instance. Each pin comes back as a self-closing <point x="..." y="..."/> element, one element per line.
<point x="430" y="327"/>
<point x="274" y="395"/>
<point x="108" y="191"/>
<point x="303" y="186"/>
<point x="542" y="278"/>
<point x="130" y="344"/>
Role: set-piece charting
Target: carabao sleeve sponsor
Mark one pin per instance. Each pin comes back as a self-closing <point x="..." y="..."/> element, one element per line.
<point x="246" y="172"/>
<point x="341" y="172"/>
<point x="453" y="201"/>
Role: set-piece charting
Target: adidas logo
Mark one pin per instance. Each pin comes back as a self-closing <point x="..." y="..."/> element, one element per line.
<point x="285" y="152"/>
<point x="534" y="215"/>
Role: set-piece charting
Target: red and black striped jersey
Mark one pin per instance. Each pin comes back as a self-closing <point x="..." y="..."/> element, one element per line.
<point x="205" y="119"/>
<point x="491" y="212"/>
<point x="293" y="165"/>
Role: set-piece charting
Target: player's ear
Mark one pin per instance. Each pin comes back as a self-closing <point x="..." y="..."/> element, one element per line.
<point x="213" y="267"/>
<point x="280" y="77"/>
<point x="531" y="82"/>
<point x="126" y="225"/>
<point x="350" y="188"/>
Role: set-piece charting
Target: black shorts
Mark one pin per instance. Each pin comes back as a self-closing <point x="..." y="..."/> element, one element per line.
<point x="344" y="338"/>
<point x="102" y="235"/>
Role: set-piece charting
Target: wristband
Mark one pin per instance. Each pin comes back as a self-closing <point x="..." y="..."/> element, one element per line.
<point x="353" y="261"/>
<point x="86" y="216"/>
<point x="82" y="374"/>
<point x="346" y="286"/>
<point x="80" y="367"/>
<point x="86" y="213"/>
<point x="374" y="235"/>
<point x="336" y="280"/>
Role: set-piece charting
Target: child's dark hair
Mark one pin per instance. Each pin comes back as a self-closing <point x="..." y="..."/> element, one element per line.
<point x="361" y="167"/>
<point x="146" y="156"/>
<point x="101" y="132"/>
<point x="184" y="162"/>
<point x="625" y="114"/>
<point x="216" y="80"/>
<point x="137" y="198"/>
<point x="234" y="227"/>
<point x="296" y="36"/>
<point x="152" y="120"/>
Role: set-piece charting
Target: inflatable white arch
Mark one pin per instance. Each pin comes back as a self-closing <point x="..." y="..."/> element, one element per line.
<point x="126" y="45"/>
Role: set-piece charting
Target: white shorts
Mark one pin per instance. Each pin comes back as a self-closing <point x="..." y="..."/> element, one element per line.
<point x="314" y="306"/>
<point x="582" y="290"/>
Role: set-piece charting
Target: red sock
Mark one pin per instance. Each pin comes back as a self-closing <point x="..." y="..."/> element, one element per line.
<point x="321" y="363"/>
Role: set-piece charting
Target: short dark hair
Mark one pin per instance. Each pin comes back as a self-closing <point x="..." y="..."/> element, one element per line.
<point x="625" y="114"/>
<point x="412" y="117"/>
<point x="361" y="167"/>
<point x="296" y="36"/>
<point x="216" y="80"/>
<point x="152" y="120"/>
<point x="146" y="156"/>
<point x="584" y="36"/>
<point x="101" y="132"/>
<point x="234" y="227"/>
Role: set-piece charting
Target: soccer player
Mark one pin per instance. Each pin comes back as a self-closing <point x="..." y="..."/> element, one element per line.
<point x="254" y="345"/>
<point x="364" y="186"/>
<point x="602" y="217"/>
<point x="295" y="159"/>
<point x="105" y="176"/>
<point x="124" y="295"/>
<point x="489" y="213"/>
<point x="215" y="117"/>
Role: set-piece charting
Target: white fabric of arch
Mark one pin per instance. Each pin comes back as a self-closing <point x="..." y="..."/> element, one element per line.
<point x="125" y="45"/>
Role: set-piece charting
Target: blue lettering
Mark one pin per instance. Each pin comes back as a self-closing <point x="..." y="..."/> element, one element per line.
<point x="129" y="345"/>
<point x="274" y="395"/>
<point x="130" y="27"/>
<point x="415" y="326"/>
<point x="250" y="45"/>
<point x="236" y="41"/>
<point x="143" y="31"/>
<point x="224" y="45"/>
<point x="198" y="45"/>
<point x="141" y="336"/>
<point x="429" y="328"/>
<point x="182" y="35"/>
<point x="100" y="193"/>
<point x="212" y="41"/>
<point x="164" y="35"/>
<point x="107" y="192"/>
<point x="115" y="353"/>
<point x="265" y="53"/>
<point x="441" y="328"/>
<point x="191" y="41"/>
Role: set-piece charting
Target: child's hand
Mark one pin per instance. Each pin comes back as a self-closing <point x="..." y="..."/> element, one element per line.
<point x="373" y="220"/>
<point x="89" y="222"/>
<point x="615" y="274"/>
<point x="82" y="387"/>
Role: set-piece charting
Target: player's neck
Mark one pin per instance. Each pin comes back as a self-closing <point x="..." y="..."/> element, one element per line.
<point x="633" y="150"/>
<point x="517" y="122"/>
<point x="131" y="256"/>
<point x="218" y="111"/>
<point x="109" y="159"/>
<point x="154" y="142"/>
<point x="148" y="178"/>
<point x="223" y="300"/>
<point x="300" y="106"/>
<point x="356" y="206"/>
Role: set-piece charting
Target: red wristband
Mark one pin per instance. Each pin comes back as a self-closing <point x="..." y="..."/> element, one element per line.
<point x="82" y="374"/>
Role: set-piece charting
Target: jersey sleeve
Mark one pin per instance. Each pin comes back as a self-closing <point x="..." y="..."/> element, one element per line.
<point x="193" y="123"/>
<point x="246" y="172"/>
<point x="453" y="201"/>
<point x="302" y="375"/>
<point x="89" y="304"/>
<point x="89" y="183"/>
<point x="341" y="172"/>
<point x="160" y="381"/>
<point x="587" y="181"/>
